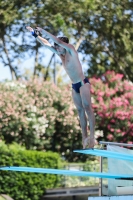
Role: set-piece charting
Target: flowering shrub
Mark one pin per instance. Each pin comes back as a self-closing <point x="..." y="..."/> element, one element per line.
<point x="39" y="115"/>
<point x="113" y="105"/>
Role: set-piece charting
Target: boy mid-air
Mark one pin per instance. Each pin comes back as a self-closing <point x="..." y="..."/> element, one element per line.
<point x="80" y="85"/>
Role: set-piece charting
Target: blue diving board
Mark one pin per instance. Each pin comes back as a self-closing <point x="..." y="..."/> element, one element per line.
<point x="106" y="153"/>
<point x="67" y="172"/>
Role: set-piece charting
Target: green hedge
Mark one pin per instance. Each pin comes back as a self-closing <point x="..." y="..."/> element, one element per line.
<point x="24" y="185"/>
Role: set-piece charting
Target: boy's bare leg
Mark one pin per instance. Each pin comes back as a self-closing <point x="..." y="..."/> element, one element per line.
<point x="86" y="102"/>
<point x="82" y="116"/>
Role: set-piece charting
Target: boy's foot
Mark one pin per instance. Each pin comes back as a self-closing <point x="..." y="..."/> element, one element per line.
<point x="89" y="142"/>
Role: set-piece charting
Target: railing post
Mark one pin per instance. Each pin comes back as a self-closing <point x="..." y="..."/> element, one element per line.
<point x="100" y="179"/>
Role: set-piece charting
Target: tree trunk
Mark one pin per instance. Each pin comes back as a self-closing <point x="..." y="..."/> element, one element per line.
<point x="13" y="72"/>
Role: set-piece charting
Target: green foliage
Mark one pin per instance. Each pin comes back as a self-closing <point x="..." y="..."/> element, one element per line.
<point x="39" y="115"/>
<point x="109" y="38"/>
<point x="56" y="17"/>
<point x="42" y="116"/>
<point x="91" y="165"/>
<point x="24" y="185"/>
<point x="104" y="29"/>
<point x="12" y="25"/>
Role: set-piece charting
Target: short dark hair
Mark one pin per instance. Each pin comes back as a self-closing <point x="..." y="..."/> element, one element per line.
<point x="64" y="39"/>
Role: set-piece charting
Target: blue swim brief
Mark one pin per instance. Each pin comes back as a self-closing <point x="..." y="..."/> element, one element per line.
<point x="76" y="86"/>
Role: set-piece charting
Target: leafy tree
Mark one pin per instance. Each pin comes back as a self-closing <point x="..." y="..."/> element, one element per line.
<point x="12" y="23"/>
<point x="103" y="28"/>
<point x="109" y="37"/>
<point x="55" y="16"/>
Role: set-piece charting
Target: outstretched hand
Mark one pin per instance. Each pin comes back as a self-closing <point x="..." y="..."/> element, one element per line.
<point x="39" y="29"/>
<point x="35" y="32"/>
<point x="29" y="28"/>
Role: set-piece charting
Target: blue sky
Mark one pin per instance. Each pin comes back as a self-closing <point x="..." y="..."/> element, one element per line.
<point x="5" y="72"/>
<point x="27" y="64"/>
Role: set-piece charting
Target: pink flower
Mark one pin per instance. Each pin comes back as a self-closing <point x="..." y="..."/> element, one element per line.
<point x="110" y="137"/>
<point x="108" y="126"/>
<point x="112" y="130"/>
<point x="118" y="131"/>
<point x="130" y="142"/>
<point x="112" y="120"/>
<point x="101" y="93"/>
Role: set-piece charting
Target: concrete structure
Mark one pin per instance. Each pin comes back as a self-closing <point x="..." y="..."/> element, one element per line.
<point x="125" y="197"/>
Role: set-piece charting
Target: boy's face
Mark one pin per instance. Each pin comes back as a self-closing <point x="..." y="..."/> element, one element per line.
<point x="60" y="49"/>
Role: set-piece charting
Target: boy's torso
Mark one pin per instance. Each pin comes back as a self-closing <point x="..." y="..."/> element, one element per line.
<point x="72" y="66"/>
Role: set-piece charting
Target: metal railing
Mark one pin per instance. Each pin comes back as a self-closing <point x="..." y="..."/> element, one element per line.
<point x="116" y="143"/>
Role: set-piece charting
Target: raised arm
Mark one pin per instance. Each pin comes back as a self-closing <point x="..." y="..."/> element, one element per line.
<point x="68" y="47"/>
<point x="43" y="41"/>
